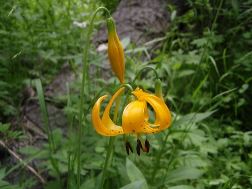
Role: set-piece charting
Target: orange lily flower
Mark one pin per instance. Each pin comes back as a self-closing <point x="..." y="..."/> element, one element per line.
<point x="135" y="118"/>
<point x="135" y="115"/>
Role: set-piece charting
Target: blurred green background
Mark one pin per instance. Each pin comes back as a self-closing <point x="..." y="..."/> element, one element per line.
<point x="204" y="62"/>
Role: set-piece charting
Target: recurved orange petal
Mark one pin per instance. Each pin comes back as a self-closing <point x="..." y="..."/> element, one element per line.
<point x="105" y="126"/>
<point x="162" y="112"/>
<point x="106" y="120"/>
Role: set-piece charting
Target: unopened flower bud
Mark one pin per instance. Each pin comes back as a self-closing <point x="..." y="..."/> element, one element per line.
<point x="115" y="50"/>
<point x="158" y="88"/>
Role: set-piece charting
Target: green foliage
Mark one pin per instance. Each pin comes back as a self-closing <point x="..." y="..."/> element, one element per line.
<point x="7" y="133"/>
<point x="205" y="68"/>
<point x="135" y="176"/>
<point x="37" y="37"/>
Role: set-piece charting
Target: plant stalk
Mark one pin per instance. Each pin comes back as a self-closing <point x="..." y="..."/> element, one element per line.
<point x="82" y="90"/>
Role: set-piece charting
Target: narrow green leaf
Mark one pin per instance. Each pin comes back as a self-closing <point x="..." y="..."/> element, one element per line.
<point x="43" y="108"/>
<point x="215" y="65"/>
<point x="45" y="116"/>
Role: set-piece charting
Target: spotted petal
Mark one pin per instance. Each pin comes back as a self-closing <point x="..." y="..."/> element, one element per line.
<point x="105" y="126"/>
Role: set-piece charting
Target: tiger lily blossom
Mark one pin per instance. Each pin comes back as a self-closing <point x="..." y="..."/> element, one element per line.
<point x="135" y="117"/>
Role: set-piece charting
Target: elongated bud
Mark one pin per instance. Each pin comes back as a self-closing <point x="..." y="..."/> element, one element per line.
<point x="115" y="50"/>
<point x="158" y="88"/>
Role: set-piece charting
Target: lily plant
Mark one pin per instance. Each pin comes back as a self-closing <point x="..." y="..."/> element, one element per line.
<point x="135" y="114"/>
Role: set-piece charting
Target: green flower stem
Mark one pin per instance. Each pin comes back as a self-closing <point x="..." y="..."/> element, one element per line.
<point x="107" y="160"/>
<point x="82" y="90"/>
<point x="145" y="68"/>
<point x="128" y="86"/>
<point x="111" y="145"/>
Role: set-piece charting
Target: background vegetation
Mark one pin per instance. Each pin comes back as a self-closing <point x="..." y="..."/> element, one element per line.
<point x="205" y="66"/>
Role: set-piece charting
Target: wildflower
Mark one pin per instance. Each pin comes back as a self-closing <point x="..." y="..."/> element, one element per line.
<point x="135" y="117"/>
<point x="115" y="50"/>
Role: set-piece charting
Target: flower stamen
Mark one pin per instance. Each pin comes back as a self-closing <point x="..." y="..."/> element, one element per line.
<point x="146" y="146"/>
<point x="128" y="147"/>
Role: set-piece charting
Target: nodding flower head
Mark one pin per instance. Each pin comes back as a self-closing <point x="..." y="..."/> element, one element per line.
<point x="115" y="50"/>
<point x="135" y="117"/>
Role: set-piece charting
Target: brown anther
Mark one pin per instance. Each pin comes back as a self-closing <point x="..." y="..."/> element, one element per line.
<point x="128" y="147"/>
<point x="139" y="143"/>
<point x="147" y="146"/>
<point x="139" y="147"/>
